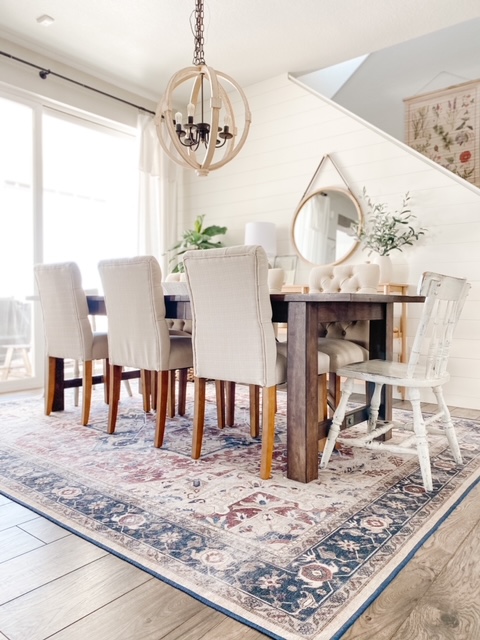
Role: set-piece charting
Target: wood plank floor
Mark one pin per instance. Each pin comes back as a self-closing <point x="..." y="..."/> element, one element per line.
<point x="56" y="585"/>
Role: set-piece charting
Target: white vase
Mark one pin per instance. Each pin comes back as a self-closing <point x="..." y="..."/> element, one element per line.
<point x="276" y="278"/>
<point x="386" y="268"/>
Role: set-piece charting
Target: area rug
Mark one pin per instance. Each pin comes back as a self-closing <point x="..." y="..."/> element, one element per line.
<point x="289" y="559"/>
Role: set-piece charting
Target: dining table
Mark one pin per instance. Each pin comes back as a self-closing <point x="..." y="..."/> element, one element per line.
<point x="303" y="312"/>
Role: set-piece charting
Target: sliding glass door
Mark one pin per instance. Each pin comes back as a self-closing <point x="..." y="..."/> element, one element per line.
<point x="19" y="368"/>
<point x="89" y="193"/>
<point x="68" y="191"/>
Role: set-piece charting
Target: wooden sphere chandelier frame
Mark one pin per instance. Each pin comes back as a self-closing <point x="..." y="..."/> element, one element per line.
<point x="194" y="144"/>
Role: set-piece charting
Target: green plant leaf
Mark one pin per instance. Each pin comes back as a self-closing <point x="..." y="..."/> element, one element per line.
<point x="196" y="238"/>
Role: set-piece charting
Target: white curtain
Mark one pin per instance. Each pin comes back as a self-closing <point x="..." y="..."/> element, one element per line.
<point x="159" y="182"/>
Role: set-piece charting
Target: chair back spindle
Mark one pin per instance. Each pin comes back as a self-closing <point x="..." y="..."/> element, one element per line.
<point x="445" y="298"/>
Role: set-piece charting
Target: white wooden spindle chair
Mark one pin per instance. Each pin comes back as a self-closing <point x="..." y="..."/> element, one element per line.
<point x="426" y="368"/>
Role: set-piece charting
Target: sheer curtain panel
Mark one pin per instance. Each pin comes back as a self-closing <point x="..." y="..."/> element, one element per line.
<point x="158" y="187"/>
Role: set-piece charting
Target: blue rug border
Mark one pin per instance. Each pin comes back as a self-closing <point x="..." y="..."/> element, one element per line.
<point x="338" y="635"/>
<point x="151" y="572"/>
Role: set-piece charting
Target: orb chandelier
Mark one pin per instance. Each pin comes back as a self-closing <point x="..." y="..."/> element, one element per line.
<point x="204" y="135"/>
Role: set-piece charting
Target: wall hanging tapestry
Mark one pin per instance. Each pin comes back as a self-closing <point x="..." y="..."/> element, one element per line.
<point x="444" y="126"/>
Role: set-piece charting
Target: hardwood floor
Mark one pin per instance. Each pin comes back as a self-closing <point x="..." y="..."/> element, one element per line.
<point x="56" y="585"/>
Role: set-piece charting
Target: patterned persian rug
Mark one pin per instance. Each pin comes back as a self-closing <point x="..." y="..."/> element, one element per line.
<point x="292" y="560"/>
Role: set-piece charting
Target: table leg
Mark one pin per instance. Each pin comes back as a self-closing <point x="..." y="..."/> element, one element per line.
<point x="381" y="346"/>
<point x="302" y="392"/>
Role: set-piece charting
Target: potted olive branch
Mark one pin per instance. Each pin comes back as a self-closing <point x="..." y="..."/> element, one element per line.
<point x="384" y="230"/>
<point x="199" y="237"/>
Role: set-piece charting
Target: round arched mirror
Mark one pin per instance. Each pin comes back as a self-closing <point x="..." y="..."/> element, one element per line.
<point x="322" y="232"/>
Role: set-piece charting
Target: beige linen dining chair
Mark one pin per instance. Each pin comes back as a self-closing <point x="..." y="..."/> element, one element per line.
<point x="172" y="285"/>
<point x="276" y="278"/>
<point x="67" y="329"/>
<point x="344" y="342"/>
<point x="76" y="363"/>
<point x="233" y="336"/>
<point x="138" y="333"/>
<point x="426" y="369"/>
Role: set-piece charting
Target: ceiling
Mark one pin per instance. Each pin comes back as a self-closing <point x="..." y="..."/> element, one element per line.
<point x="139" y="44"/>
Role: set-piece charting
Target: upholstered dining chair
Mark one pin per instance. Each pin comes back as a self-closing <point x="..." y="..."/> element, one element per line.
<point x="138" y="333"/>
<point x="76" y="364"/>
<point x="68" y="333"/>
<point x="173" y="285"/>
<point x="426" y="369"/>
<point x="233" y="335"/>
<point x="276" y="278"/>
<point x="344" y="343"/>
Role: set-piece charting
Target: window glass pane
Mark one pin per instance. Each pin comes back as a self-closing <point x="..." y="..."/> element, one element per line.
<point x="89" y="194"/>
<point x="16" y="255"/>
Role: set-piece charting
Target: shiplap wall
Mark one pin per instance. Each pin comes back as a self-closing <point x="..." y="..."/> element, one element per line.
<point x="292" y="129"/>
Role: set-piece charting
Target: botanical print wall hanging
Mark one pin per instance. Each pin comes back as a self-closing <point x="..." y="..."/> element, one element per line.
<point x="444" y="126"/>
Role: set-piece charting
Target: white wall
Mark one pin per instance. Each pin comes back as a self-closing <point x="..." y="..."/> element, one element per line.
<point x="292" y="129"/>
<point x="15" y="75"/>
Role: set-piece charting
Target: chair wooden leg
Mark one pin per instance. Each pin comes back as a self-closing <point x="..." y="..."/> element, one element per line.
<point x="198" y="417"/>
<point x="448" y="425"/>
<point x="106" y="380"/>
<point x="114" y="396"/>
<point x="337" y="422"/>
<point x="171" y="394"/>
<point x="220" y="397"/>
<point x="268" y="431"/>
<point x="87" y="390"/>
<point x="162" y="399"/>
<point x="76" y="374"/>
<point x="255" y="410"/>
<point x="421" y="439"/>
<point x="50" y="385"/>
<point x="153" y="389"/>
<point x="26" y="362"/>
<point x="230" y="400"/>
<point x="146" y="378"/>
<point x="7" y="364"/>
<point x="182" y="391"/>
<point x="322" y="407"/>
<point x="334" y="391"/>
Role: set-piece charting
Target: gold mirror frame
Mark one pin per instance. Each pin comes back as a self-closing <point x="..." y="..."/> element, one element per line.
<point x="324" y="235"/>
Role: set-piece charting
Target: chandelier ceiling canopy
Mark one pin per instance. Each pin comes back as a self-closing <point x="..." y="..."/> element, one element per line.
<point x="205" y="134"/>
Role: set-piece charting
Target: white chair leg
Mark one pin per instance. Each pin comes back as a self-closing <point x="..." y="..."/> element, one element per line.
<point x="8" y="362"/>
<point x="127" y="386"/>
<point x="375" y="406"/>
<point x="421" y="439"/>
<point x="26" y="362"/>
<point x="448" y="425"/>
<point x="338" y="417"/>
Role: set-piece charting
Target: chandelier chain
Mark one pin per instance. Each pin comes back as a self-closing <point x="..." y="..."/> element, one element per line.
<point x="198" y="55"/>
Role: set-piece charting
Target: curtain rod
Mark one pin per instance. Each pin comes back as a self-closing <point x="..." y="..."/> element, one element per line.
<point x="44" y="73"/>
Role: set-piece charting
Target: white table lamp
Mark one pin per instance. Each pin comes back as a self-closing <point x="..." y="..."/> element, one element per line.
<point x="263" y="234"/>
